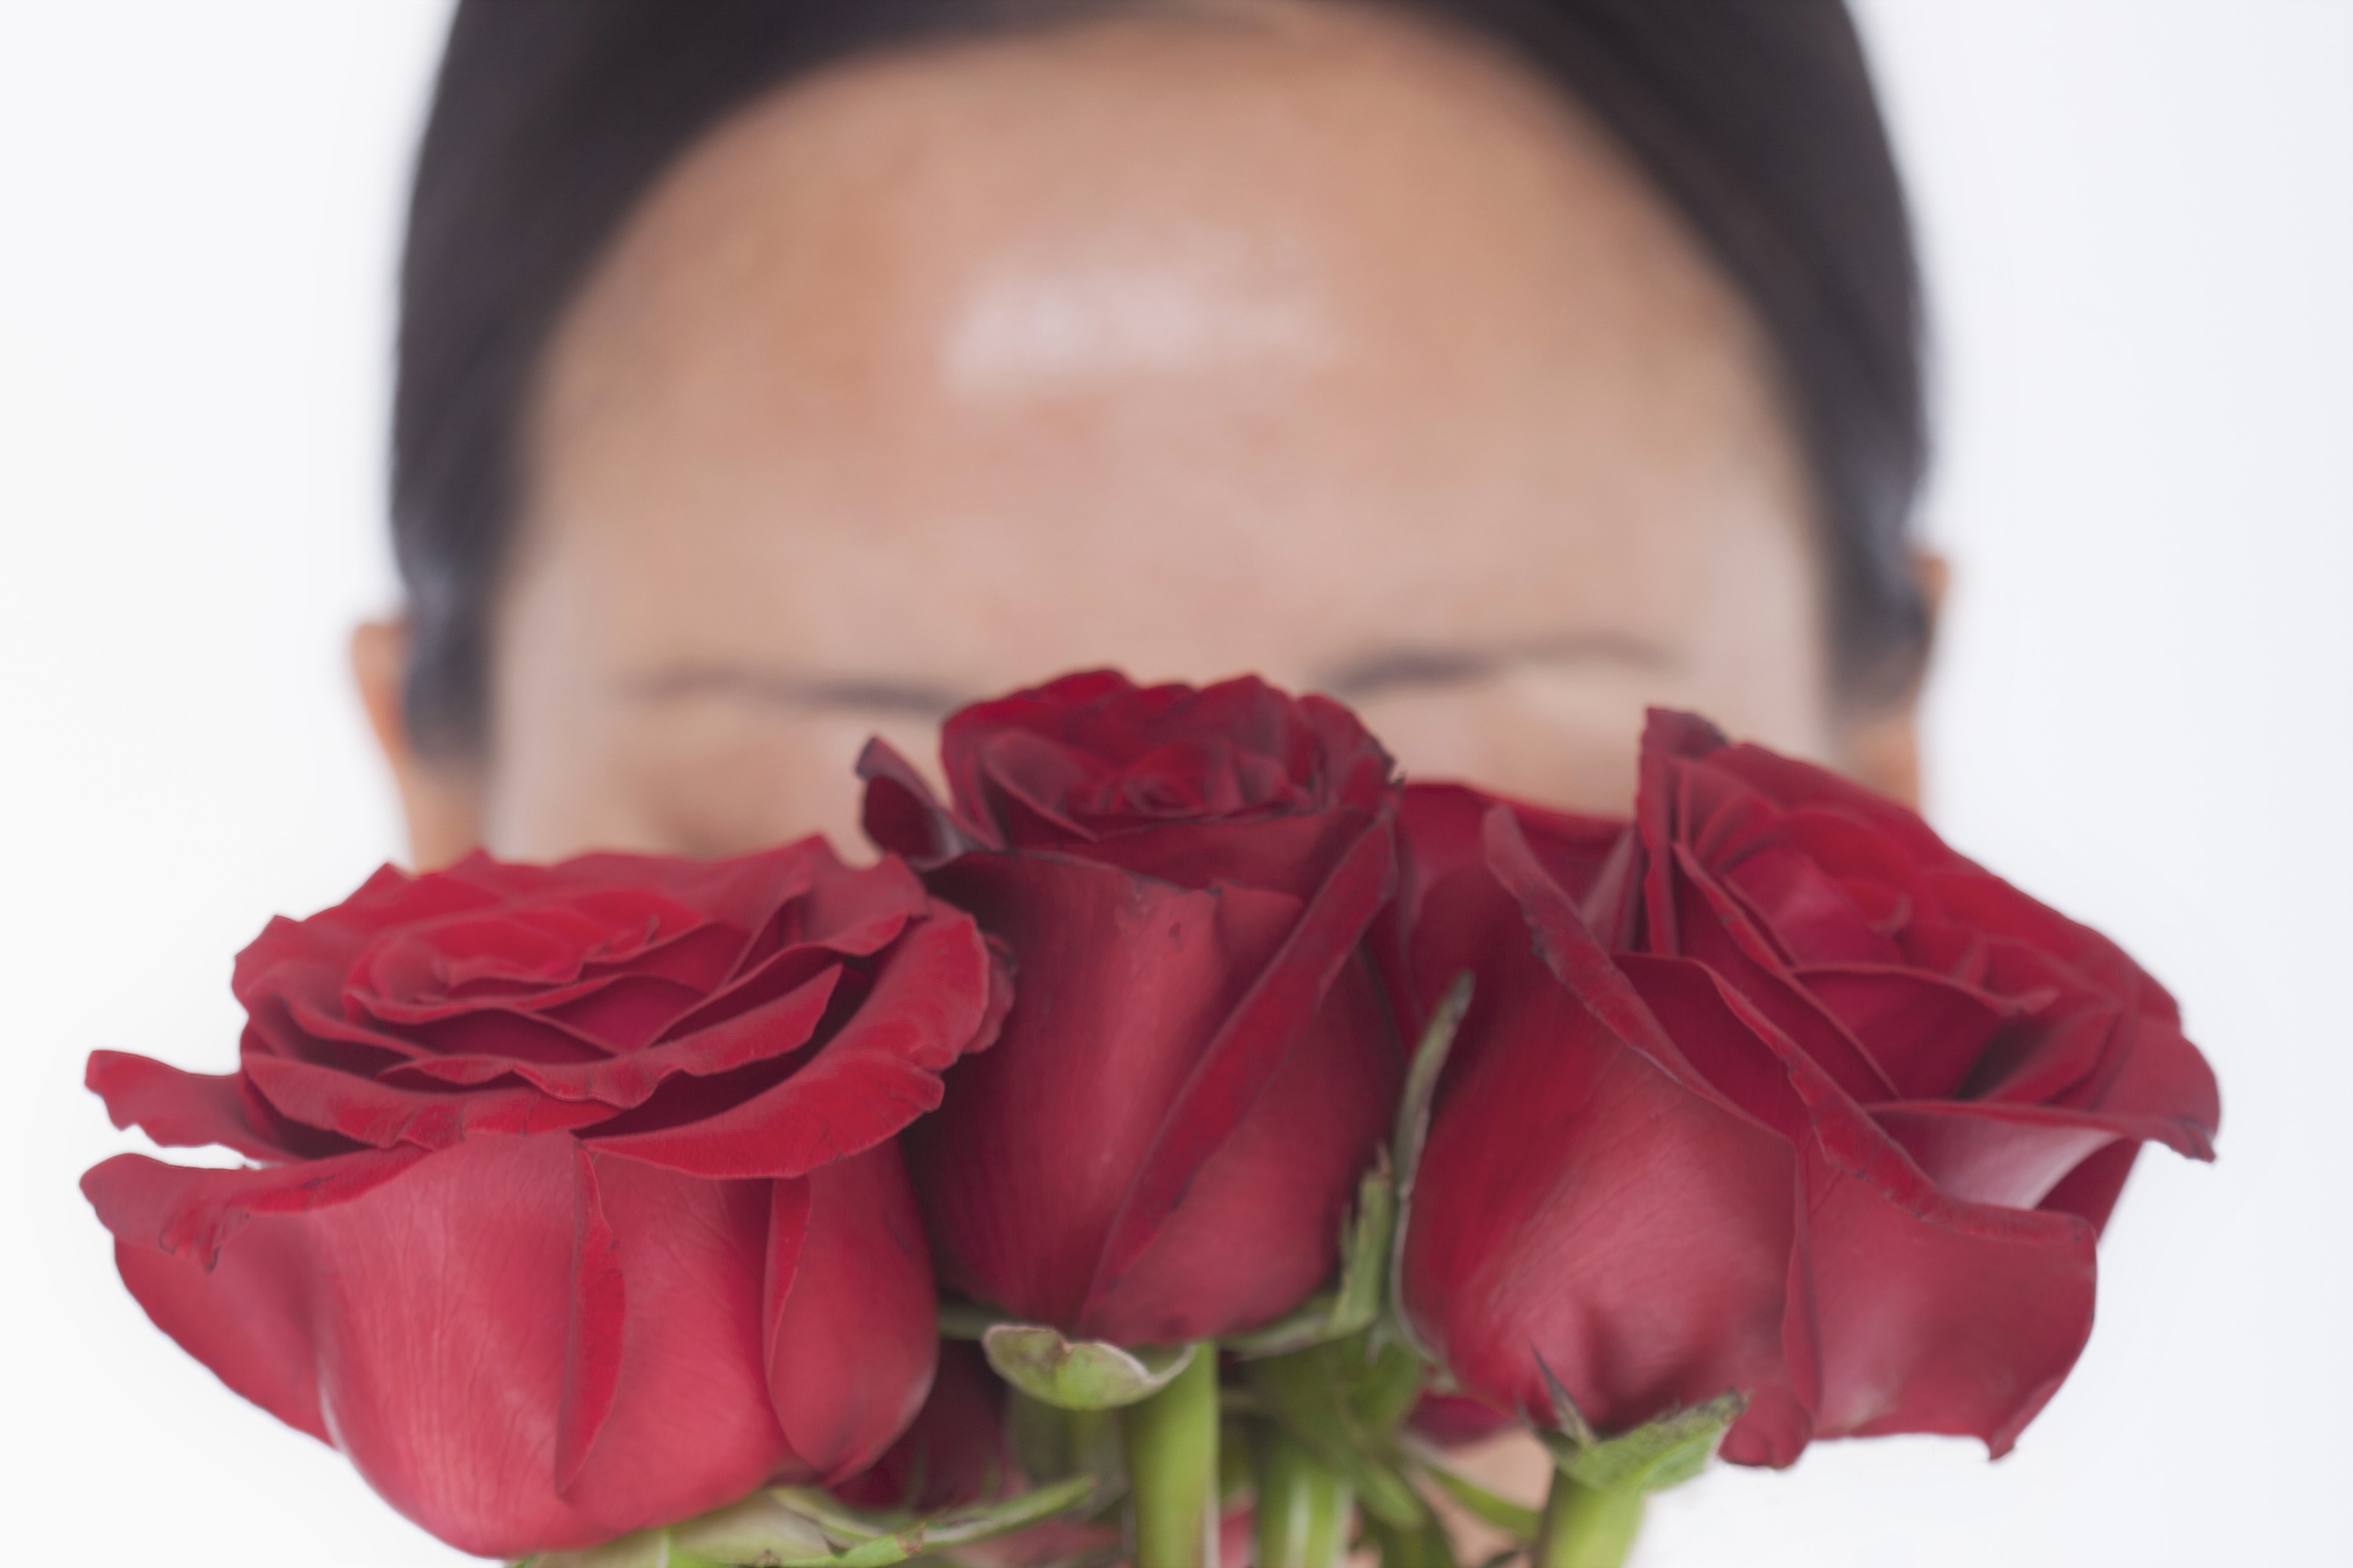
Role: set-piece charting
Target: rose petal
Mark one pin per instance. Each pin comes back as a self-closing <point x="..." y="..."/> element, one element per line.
<point x="504" y="1030"/>
<point x="299" y="1028"/>
<point x="1576" y="956"/>
<point x="440" y="944"/>
<point x="1793" y="784"/>
<point x="776" y="1028"/>
<point x="382" y="1114"/>
<point x="1091" y="756"/>
<point x="1759" y="853"/>
<point x="1276" y="1193"/>
<point x="2167" y="1084"/>
<point x="1287" y="854"/>
<point x="2056" y="1048"/>
<point x="929" y="999"/>
<point x="1578" y="1209"/>
<point x="627" y="1012"/>
<point x="186" y="1109"/>
<point x="858" y="1274"/>
<point x="1249" y="1048"/>
<point x="1924" y="1032"/>
<point x="421" y="1319"/>
<point x="311" y="958"/>
<point x="1048" y="709"/>
<point x="1441" y="832"/>
<point x="2090" y="1190"/>
<point x="902" y="816"/>
<point x="593" y="1343"/>
<point x="789" y="968"/>
<point x="1712" y="929"/>
<point x="192" y="1213"/>
<point x="1123" y="981"/>
<point x="1927" y="1314"/>
<point x="1025" y="782"/>
<point x="845" y="904"/>
<point x="691" y="1409"/>
<point x="1937" y="1316"/>
<point x="541" y="942"/>
<point x="2012" y="1155"/>
<point x="292" y="1026"/>
<point x="744" y="891"/>
<point x="956" y="1453"/>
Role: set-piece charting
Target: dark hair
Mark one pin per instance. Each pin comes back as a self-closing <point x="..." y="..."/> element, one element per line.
<point x="552" y="119"/>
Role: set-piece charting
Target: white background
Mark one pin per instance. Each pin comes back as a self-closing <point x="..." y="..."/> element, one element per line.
<point x="2139" y="222"/>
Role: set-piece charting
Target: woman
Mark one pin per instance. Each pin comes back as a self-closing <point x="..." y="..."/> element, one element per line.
<point x="774" y="376"/>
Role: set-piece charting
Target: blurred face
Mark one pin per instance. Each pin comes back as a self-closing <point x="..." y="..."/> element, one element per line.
<point x="1292" y="339"/>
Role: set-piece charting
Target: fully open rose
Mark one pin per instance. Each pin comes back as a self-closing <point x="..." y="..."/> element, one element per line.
<point x="576" y="1206"/>
<point x="1773" y="1093"/>
<point x="1197" y="1066"/>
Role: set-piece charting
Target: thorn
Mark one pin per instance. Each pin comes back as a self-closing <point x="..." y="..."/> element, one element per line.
<point x="1565" y="1413"/>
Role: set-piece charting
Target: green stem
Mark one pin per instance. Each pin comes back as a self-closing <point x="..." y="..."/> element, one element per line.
<point x="1050" y="1442"/>
<point x="1172" y="1468"/>
<point x="1302" y="1509"/>
<point x="1422" y="1545"/>
<point x="1587" y="1527"/>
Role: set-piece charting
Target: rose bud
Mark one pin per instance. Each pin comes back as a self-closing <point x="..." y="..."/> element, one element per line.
<point x="1825" y="1114"/>
<point x="577" y="1208"/>
<point x="1198" y="1066"/>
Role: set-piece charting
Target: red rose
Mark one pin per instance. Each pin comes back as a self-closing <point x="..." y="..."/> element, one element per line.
<point x="577" y="1208"/>
<point x="1197" y="1066"/>
<point x="1827" y="1114"/>
<point x="957" y="1452"/>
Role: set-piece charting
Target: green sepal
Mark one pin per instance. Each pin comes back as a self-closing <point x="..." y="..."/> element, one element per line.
<point x="1651" y="1457"/>
<point x="1314" y="1394"/>
<point x="1411" y="1133"/>
<point x="1353" y="1303"/>
<point x="1515" y="1519"/>
<point x="1048" y="1440"/>
<point x="1086" y="1374"/>
<point x="1383" y="1388"/>
<point x="1420" y="1545"/>
<point x="800" y="1527"/>
<point x="640" y="1548"/>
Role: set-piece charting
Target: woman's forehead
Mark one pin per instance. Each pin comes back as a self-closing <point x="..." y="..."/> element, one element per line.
<point x="1122" y="208"/>
<point x="1226" y="326"/>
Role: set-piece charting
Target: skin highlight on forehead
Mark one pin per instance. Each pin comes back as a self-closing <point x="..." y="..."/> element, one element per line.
<point x="1292" y="338"/>
<point x="1042" y="327"/>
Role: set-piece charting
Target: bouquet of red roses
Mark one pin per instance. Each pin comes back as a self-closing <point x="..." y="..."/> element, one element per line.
<point x="1180" y="1134"/>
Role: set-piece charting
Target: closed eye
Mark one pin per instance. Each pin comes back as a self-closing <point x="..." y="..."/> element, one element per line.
<point x="764" y="688"/>
<point x="1385" y="671"/>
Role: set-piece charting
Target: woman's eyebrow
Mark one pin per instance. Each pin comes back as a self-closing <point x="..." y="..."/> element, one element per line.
<point x="1407" y="665"/>
<point x="863" y="694"/>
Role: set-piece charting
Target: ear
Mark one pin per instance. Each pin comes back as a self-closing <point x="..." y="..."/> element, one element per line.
<point x="441" y="800"/>
<point x="1880" y="748"/>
